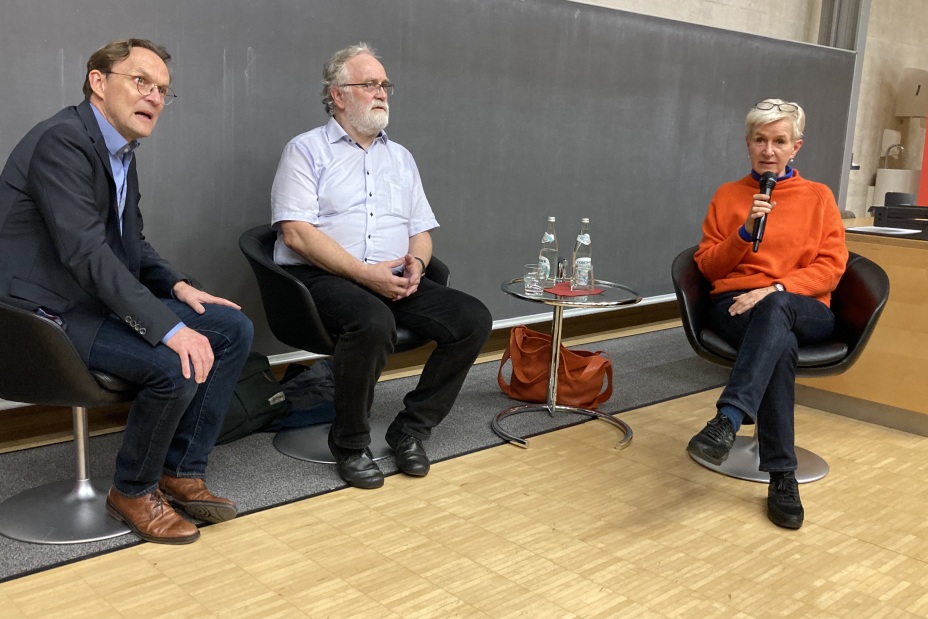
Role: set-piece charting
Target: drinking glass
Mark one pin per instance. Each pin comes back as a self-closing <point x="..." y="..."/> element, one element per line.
<point x="533" y="279"/>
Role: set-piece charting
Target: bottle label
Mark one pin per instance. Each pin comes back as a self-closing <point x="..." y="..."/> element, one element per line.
<point x="583" y="239"/>
<point x="545" y="266"/>
<point x="582" y="278"/>
<point x="547" y="237"/>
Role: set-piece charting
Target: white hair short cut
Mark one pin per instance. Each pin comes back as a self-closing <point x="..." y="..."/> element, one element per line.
<point x="776" y="109"/>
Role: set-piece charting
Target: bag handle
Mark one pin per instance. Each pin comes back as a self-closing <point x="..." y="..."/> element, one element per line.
<point x="522" y="338"/>
<point x="593" y="363"/>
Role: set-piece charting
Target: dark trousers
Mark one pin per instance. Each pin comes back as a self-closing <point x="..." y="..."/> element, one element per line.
<point x="364" y="325"/>
<point x="173" y="422"/>
<point x="763" y="379"/>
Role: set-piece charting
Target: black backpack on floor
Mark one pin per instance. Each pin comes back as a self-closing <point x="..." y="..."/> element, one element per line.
<point x="258" y="401"/>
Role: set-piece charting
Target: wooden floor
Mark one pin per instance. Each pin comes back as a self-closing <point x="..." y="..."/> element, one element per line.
<point x="567" y="528"/>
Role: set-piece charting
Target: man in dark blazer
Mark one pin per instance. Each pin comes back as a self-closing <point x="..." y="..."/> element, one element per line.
<point x="72" y="250"/>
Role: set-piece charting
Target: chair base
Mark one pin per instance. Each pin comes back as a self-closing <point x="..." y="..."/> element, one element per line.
<point x="64" y="512"/>
<point x="743" y="462"/>
<point x="312" y="442"/>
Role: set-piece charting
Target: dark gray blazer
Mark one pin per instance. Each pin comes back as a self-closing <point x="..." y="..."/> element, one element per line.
<point x="60" y="245"/>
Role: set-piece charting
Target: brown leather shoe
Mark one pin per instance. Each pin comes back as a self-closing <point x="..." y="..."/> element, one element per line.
<point x="191" y="496"/>
<point x="151" y="518"/>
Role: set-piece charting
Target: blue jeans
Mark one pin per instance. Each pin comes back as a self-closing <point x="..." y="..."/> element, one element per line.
<point x="173" y="422"/>
<point x="763" y="380"/>
<point x="365" y="327"/>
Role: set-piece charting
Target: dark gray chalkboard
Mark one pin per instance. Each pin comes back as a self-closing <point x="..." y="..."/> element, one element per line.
<point x="515" y="110"/>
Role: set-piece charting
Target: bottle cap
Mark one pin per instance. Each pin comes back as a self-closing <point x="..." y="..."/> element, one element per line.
<point x="551" y="219"/>
<point x="584" y="220"/>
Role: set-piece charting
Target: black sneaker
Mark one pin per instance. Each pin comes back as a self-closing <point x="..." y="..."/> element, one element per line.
<point x="783" y="505"/>
<point x="713" y="442"/>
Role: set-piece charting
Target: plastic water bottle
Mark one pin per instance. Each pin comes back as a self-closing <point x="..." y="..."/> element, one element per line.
<point x="547" y="257"/>
<point x="582" y="259"/>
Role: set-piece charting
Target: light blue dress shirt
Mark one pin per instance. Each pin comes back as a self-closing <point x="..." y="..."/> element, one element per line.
<point x="369" y="201"/>
<point x="121" y="153"/>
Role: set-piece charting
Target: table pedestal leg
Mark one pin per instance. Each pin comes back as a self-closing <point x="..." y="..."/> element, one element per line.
<point x="624" y="441"/>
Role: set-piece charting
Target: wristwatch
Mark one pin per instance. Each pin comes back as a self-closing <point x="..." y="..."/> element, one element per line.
<point x="780" y="287"/>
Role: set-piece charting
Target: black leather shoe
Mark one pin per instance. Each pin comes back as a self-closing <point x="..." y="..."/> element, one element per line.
<point x="713" y="442"/>
<point x="356" y="466"/>
<point x="783" y="505"/>
<point x="411" y="457"/>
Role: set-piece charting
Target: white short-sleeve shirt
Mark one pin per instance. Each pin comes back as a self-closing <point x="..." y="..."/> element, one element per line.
<point x="369" y="201"/>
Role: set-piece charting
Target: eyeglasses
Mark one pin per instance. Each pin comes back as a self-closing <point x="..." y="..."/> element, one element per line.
<point x="783" y="107"/>
<point x="146" y="87"/>
<point x="371" y="87"/>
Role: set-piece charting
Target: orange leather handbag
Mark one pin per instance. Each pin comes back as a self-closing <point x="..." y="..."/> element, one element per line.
<point x="581" y="374"/>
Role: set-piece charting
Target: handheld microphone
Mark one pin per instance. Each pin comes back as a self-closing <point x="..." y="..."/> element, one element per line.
<point x="768" y="181"/>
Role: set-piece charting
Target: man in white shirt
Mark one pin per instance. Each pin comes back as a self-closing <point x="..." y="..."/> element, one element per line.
<point x="353" y="224"/>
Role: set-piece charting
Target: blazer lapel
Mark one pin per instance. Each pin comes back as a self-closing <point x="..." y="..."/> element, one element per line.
<point x="96" y="136"/>
<point x="131" y="242"/>
<point x="127" y="252"/>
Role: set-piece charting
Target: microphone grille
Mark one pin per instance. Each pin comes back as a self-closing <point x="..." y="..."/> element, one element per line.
<point x="768" y="179"/>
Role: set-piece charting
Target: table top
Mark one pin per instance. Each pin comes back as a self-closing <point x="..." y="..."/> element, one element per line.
<point x="612" y="295"/>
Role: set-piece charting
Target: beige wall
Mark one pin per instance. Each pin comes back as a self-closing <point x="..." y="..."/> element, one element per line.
<point x="795" y="20"/>
<point x="897" y="37"/>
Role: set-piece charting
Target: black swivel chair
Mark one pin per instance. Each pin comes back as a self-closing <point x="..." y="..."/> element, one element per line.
<point x="857" y="303"/>
<point x="294" y="320"/>
<point x="39" y="364"/>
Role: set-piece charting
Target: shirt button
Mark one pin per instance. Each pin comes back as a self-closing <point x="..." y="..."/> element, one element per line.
<point x="370" y="194"/>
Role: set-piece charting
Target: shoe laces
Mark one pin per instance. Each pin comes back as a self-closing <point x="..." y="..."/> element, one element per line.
<point x="719" y="428"/>
<point x="158" y="499"/>
<point x="787" y="488"/>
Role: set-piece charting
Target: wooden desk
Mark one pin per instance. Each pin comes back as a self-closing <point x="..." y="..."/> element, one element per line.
<point x="889" y="383"/>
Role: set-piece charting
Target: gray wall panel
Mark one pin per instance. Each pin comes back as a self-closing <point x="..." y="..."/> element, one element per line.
<point x="514" y="110"/>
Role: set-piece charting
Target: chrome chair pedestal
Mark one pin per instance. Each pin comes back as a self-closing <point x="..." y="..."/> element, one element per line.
<point x="312" y="443"/>
<point x="743" y="462"/>
<point x="63" y="512"/>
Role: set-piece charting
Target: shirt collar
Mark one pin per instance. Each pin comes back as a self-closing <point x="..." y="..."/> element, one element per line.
<point x="336" y="132"/>
<point x="787" y="173"/>
<point x="116" y="145"/>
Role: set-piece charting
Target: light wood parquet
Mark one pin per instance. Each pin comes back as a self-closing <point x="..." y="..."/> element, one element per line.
<point x="567" y="528"/>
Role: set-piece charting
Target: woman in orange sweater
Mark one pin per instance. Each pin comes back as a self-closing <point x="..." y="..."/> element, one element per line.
<point x="769" y="301"/>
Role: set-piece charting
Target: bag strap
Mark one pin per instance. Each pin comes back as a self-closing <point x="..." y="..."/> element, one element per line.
<point x="593" y="363"/>
<point x="499" y="374"/>
<point x="607" y="392"/>
<point x="521" y="338"/>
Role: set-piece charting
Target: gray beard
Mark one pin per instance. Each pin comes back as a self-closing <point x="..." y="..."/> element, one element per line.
<point x="373" y="121"/>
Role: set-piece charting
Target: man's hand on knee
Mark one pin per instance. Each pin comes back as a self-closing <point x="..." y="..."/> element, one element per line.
<point x="193" y="349"/>
<point x="195" y="298"/>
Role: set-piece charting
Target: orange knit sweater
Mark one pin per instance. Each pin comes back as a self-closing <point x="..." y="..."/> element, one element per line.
<point x="803" y="246"/>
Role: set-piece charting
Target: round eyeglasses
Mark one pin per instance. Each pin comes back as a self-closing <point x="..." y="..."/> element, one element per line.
<point x="371" y="87"/>
<point x="769" y="105"/>
<point x="146" y="87"/>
